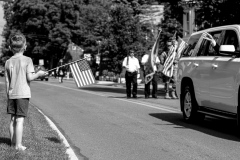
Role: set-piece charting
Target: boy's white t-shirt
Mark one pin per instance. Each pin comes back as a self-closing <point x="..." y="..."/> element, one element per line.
<point x="16" y="69"/>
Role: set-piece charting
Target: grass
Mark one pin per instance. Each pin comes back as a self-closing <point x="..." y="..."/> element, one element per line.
<point x="43" y="143"/>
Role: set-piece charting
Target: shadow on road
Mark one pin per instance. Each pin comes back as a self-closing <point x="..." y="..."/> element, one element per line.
<point x="124" y="97"/>
<point x="222" y="128"/>
<point x="118" y="90"/>
<point x="102" y="89"/>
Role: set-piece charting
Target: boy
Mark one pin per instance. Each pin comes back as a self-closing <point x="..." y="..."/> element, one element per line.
<point x="19" y="71"/>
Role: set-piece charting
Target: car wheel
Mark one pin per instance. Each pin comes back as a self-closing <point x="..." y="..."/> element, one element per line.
<point x="41" y="79"/>
<point x="189" y="104"/>
<point x="46" y="79"/>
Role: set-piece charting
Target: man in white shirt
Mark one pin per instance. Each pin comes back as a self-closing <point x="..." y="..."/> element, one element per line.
<point x="155" y="76"/>
<point x="132" y="68"/>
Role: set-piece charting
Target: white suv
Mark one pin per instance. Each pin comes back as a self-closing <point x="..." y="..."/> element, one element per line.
<point x="209" y="77"/>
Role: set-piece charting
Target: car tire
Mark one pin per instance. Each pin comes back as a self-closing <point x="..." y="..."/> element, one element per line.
<point x="189" y="105"/>
<point x="41" y="79"/>
<point x="46" y="79"/>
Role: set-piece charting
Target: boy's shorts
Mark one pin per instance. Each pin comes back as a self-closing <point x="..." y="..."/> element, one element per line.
<point x="18" y="107"/>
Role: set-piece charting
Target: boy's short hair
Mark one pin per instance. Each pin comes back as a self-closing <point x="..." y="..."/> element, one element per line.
<point x="17" y="42"/>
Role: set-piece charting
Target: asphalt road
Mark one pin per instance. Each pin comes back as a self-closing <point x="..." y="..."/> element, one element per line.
<point x="101" y="124"/>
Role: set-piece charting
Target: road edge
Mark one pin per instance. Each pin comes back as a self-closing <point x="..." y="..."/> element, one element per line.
<point x="69" y="150"/>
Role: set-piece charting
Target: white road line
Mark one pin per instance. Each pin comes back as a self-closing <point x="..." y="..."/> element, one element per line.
<point x="69" y="150"/>
<point x="160" y="107"/>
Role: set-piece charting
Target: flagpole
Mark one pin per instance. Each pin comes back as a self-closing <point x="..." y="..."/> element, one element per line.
<point x="66" y="64"/>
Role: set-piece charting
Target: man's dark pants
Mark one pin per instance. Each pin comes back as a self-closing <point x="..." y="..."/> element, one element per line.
<point x="154" y="86"/>
<point x="131" y="78"/>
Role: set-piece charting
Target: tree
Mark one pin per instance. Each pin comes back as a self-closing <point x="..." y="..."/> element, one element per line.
<point x="48" y="25"/>
<point x="51" y="25"/>
<point x="212" y="13"/>
<point x="172" y="22"/>
<point x="124" y="33"/>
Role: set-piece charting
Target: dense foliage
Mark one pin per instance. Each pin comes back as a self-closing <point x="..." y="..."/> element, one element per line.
<point x="50" y="26"/>
<point x="212" y="13"/>
<point x="108" y="27"/>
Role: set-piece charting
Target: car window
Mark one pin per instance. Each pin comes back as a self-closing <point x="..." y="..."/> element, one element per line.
<point x="231" y="38"/>
<point x="206" y="49"/>
<point x="203" y="48"/>
<point x="191" y="45"/>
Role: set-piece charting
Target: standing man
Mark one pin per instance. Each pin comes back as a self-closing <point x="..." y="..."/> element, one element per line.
<point x="174" y="65"/>
<point x="154" y="80"/>
<point x="132" y="68"/>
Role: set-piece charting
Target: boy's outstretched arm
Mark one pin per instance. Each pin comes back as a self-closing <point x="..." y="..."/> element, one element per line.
<point x="31" y="76"/>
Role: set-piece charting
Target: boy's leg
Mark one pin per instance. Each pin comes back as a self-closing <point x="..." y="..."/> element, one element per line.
<point x="11" y="109"/>
<point x="22" y="109"/>
<point x="12" y="130"/>
<point x="19" y="133"/>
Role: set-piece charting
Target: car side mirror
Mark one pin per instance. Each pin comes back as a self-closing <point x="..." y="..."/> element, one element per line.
<point x="227" y="48"/>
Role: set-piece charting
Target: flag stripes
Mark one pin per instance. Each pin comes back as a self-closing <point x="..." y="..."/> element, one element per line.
<point x="199" y="42"/>
<point x="182" y="45"/>
<point x="82" y="73"/>
<point x="168" y="64"/>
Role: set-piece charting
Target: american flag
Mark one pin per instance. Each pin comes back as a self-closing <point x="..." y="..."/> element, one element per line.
<point x="199" y="42"/>
<point x="149" y="71"/>
<point x="82" y="73"/>
<point x="181" y="46"/>
<point x="168" y="64"/>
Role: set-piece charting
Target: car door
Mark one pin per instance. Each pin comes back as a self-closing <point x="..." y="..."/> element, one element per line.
<point x="224" y="71"/>
<point x="198" y="68"/>
<point x="202" y="74"/>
